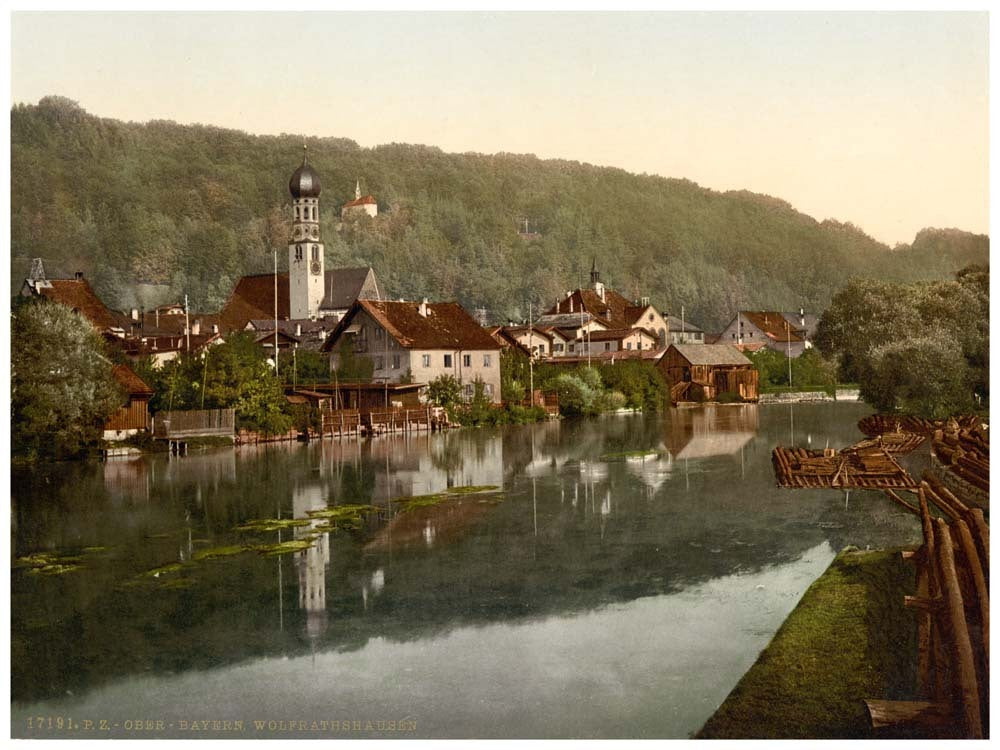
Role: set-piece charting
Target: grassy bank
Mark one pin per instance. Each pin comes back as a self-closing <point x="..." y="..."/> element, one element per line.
<point x="850" y="638"/>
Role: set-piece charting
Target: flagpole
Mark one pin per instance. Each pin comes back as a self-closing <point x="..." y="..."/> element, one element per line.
<point x="275" y="312"/>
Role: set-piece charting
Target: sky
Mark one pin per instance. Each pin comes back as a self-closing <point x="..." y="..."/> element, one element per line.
<point x="879" y="119"/>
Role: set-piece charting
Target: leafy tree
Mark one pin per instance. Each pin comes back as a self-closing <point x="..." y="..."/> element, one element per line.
<point x="640" y="384"/>
<point x="350" y="366"/>
<point x="922" y="347"/>
<point x="304" y="367"/>
<point x="62" y="389"/>
<point x="444" y="390"/>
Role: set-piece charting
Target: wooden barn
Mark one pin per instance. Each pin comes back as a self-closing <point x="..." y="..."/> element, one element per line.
<point x="133" y="417"/>
<point x="703" y="372"/>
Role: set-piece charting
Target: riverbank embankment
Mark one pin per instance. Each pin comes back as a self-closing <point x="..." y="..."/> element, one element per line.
<point x="794" y="397"/>
<point x="848" y="639"/>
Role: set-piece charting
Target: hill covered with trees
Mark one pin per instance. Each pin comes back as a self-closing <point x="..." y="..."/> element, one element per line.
<point x="151" y="211"/>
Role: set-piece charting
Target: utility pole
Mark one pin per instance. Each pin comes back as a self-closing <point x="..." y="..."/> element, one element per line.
<point x="187" y="324"/>
<point x="531" y="357"/>
<point x="276" y="312"/>
<point x="682" y="325"/>
<point x="788" y="339"/>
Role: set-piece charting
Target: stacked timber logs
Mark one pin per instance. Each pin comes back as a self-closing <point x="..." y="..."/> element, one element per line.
<point x="865" y="468"/>
<point x="965" y="452"/>
<point x="893" y="442"/>
<point x="881" y="424"/>
<point x="952" y="607"/>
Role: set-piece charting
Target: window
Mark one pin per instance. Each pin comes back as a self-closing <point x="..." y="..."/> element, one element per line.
<point x="488" y="389"/>
<point x="379" y="363"/>
<point x="296" y="212"/>
<point x="298" y="252"/>
<point x="447" y="360"/>
<point x="427" y="360"/>
<point x="651" y="317"/>
<point x="315" y="252"/>
<point x="607" y="346"/>
<point x="628" y="344"/>
<point x="572" y="347"/>
<point x="557" y="347"/>
<point x="466" y="360"/>
<point x="487" y="360"/>
<point x="469" y="390"/>
<point x="395" y="361"/>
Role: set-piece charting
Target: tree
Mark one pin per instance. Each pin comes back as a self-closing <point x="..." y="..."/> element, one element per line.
<point x="923" y="347"/>
<point x="350" y="366"/>
<point x="444" y="390"/>
<point x="62" y="389"/>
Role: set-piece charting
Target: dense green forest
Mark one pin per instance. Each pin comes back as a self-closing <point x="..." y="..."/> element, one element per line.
<point x="151" y="211"/>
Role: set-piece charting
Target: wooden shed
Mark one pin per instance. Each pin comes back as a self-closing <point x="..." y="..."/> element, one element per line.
<point x="702" y="372"/>
<point x="133" y="416"/>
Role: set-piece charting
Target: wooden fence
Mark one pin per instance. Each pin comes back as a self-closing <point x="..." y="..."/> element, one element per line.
<point x="953" y="641"/>
<point x="172" y="425"/>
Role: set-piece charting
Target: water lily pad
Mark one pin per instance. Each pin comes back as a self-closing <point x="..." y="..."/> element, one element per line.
<point x="284" y="548"/>
<point x="214" y="552"/>
<point x="55" y="569"/>
<point x="94" y="550"/>
<point x="163" y="570"/>
<point x="40" y="560"/>
<point x="272" y="524"/>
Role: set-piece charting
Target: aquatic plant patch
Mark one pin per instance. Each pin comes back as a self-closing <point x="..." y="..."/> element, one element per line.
<point x="272" y="524"/>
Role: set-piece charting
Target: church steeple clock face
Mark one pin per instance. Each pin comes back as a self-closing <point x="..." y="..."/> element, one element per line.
<point x="315" y="268"/>
<point x="314" y="232"/>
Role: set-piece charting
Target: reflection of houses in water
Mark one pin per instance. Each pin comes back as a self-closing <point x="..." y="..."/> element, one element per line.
<point x="710" y="430"/>
<point x="423" y="464"/>
<point x="206" y="470"/>
<point x="653" y="469"/>
<point x="127" y="479"/>
<point x="312" y="563"/>
<point x="431" y="526"/>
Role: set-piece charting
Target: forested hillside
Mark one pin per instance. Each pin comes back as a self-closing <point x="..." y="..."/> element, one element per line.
<point x="155" y="210"/>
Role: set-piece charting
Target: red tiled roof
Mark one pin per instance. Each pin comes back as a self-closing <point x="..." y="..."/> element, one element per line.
<point x="77" y="294"/>
<point x="362" y="201"/>
<point x="614" y="334"/>
<point x="252" y="299"/>
<point x="612" y="310"/>
<point x="773" y="324"/>
<point x="447" y="326"/>
<point x="132" y="383"/>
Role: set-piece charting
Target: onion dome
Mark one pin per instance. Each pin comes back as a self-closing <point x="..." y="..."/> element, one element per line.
<point x="304" y="182"/>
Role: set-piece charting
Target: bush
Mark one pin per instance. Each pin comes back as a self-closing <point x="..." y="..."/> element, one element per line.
<point x="444" y="390"/>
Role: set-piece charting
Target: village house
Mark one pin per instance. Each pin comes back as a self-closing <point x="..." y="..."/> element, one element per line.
<point x="132" y="417"/>
<point x="683" y="331"/>
<point x="607" y="309"/>
<point x="788" y="333"/>
<point x="537" y="340"/>
<point x="703" y="372"/>
<point x="618" y="340"/>
<point x="419" y="341"/>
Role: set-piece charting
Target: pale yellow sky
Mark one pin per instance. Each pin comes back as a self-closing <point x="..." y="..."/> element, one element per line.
<point x="880" y="119"/>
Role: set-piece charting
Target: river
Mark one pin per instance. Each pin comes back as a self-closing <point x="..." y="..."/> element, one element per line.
<point x="618" y="584"/>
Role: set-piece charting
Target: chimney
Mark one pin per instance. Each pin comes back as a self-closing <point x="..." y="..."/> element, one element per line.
<point x="298" y="329"/>
<point x="802" y="317"/>
<point x="135" y="313"/>
<point x="571" y="304"/>
<point x="196" y="327"/>
<point x="215" y="327"/>
<point x="78" y="275"/>
<point x="157" y="317"/>
<point x="424" y="311"/>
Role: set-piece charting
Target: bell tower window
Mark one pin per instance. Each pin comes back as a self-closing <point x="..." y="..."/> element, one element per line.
<point x="315" y="252"/>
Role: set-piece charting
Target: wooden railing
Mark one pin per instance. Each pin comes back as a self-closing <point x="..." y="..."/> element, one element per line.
<point x="952" y="607"/>
<point x="195" y="423"/>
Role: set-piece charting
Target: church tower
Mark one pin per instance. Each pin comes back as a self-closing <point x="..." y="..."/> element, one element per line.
<point x="305" y="251"/>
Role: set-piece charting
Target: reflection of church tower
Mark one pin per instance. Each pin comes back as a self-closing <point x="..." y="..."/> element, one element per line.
<point x="312" y="563"/>
<point x="305" y="251"/>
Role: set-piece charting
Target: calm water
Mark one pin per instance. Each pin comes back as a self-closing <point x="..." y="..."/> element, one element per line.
<point x="605" y="596"/>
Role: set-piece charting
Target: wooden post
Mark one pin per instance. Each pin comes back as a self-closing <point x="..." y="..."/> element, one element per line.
<point x="966" y="684"/>
<point x="975" y="568"/>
